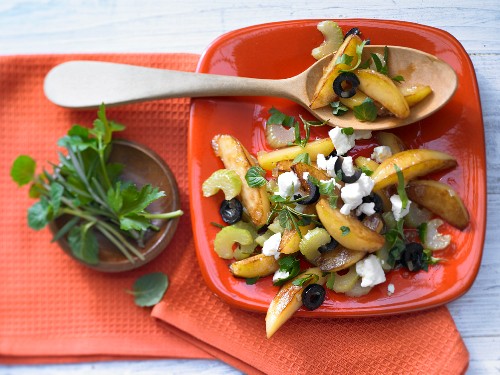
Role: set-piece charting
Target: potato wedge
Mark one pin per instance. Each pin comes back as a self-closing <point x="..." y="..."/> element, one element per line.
<point x="382" y="89"/>
<point x="359" y="238"/>
<point x="355" y="100"/>
<point x="324" y="94"/>
<point x="300" y="168"/>
<point x="290" y="239"/>
<point x="259" y="265"/>
<point x="236" y="157"/>
<point x="415" y="94"/>
<point x="413" y="163"/>
<point x="367" y="164"/>
<point x="288" y="300"/>
<point x="341" y="257"/>
<point x="268" y="160"/>
<point x="440" y="199"/>
<point x="390" y="140"/>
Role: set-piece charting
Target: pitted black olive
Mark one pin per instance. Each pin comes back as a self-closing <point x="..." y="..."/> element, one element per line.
<point x="375" y="198"/>
<point x="338" y="164"/>
<point x="352" y="178"/>
<point x="313" y="194"/>
<point x="313" y="296"/>
<point x="330" y="246"/>
<point x="332" y="154"/>
<point x="345" y="84"/>
<point x="413" y="257"/>
<point x="353" y="31"/>
<point x="231" y="210"/>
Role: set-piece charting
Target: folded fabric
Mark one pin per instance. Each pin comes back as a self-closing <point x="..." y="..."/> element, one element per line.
<point x="53" y="309"/>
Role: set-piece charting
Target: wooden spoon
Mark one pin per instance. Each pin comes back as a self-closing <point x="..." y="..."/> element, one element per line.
<point x="87" y="84"/>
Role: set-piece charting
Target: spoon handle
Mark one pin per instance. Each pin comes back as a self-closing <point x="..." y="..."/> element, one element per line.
<point x="87" y="84"/>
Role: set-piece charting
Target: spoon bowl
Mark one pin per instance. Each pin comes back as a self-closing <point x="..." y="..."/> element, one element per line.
<point x="87" y="84"/>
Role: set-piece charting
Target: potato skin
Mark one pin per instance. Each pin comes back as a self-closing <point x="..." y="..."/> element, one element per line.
<point x="258" y="265"/>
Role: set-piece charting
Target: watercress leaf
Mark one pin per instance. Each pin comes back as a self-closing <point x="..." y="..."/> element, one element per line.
<point x="251" y="280"/>
<point x="398" y="79"/>
<point x="347" y="131"/>
<point x="330" y="280"/>
<point x="83" y="244"/>
<point x="140" y="199"/>
<point x="39" y="214"/>
<point x="345" y="230"/>
<point x="134" y="221"/>
<point x="277" y="117"/>
<point x="344" y="59"/>
<point x="80" y="131"/>
<point x="23" y="170"/>
<point x="302" y="158"/>
<point x="149" y="289"/>
<point x="106" y="131"/>
<point x="114" y="198"/>
<point x="366" y="170"/>
<point x="114" y="170"/>
<point x="56" y="192"/>
<point x="338" y="109"/>
<point x="366" y="111"/>
<point x="401" y="187"/>
<point x="255" y="176"/>
<point x="115" y="126"/>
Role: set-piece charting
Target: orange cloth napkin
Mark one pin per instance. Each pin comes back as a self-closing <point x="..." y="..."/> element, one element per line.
<point x="52" y="308"/>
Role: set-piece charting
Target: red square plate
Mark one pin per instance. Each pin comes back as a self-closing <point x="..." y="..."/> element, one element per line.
<point x="283" y="49"/>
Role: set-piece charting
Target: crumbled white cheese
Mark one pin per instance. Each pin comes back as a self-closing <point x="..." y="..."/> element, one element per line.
<point x="348" y="166"/>
<point x="352" y="194"/>
<point x="271" y="246"/>
<point x="390" y="289"/>
<point x="280" y="275"/>
<point x="362" y="134"/>
<point x="288" y="184"/>
<point x="305" y="175"/>
<point x="341" y="141"/>
<point x="327" y="165"/>
<point x="366" y="208"/>
<point x="371" y="271"/>
<point x="397" y="207"/>
<point x="380" y="153"/>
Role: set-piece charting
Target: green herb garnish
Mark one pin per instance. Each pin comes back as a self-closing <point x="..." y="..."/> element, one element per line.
<point x="149" y="289"/>
<point x="338" y="109"/>
<point x="252" y="280"/>
<point x="344" y="59"/>
<point x="288" y="264"/>
<point x="347" y="131"/>
<point x="401" y="187"/>
<point x="396" y="239"/>
<point x="307" y="278"/>
<point x="255" y="176"/>
<point x="359" y="52"/>
<point x="366" y="111"/>
<point x="288" y="216"/>
<point x="345" y="230"/>
<point x="302" y="158"/>
<point x="86" y="188"/>
<point x="366" y="170"/>
<point x="422" y="232"/>
<point x="330" y="280"/>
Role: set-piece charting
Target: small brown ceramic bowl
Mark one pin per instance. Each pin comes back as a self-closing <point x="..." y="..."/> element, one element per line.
<point x="141" y="166"/>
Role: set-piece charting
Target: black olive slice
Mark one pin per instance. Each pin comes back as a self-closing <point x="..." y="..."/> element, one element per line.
<point x="353" y="31"/>
<point x="332" y="154"/>
<point x="413" y="257"/>
<point x="330" y="246"/>
<point x="313" y="194"/>
<point x="375" y="198"/>
<point x="313" y="296"/>
<point x="231" y="210"/>
<point x="352" y="178"/>
<point x="350" y="80"/>
<point x="338" y="164"/>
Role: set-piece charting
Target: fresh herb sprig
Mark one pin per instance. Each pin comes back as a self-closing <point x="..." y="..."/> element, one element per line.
<point x="86" y="187"/>
<point x="288" y="216"/>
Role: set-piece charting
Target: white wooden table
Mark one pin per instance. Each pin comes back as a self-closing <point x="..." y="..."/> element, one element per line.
<point x="58" y="26"/>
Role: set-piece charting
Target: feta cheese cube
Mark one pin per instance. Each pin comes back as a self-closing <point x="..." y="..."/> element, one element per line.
<point x="280" y="275"/>
<point x="327" y="165"/>
<point x="381" y="153"/>
<point x="352" y="194"/>
<point x="341" y="141"/>
<point x="366" y="208"/>
<point x="288" y="184"/>
<point x="370" y="270"/>
<point x="271" y="246"/>
<point x="348" y="166"/>
<point x="397" y="207"/>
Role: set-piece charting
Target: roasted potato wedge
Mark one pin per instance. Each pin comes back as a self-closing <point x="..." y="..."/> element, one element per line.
<point x="268" y="160"/>
<point x="324" y="94"/>
<point x="369" y="164"/>
<point x="415" y="94"/>
<point x="390" y="140"/>
<point x="236" y="157"/>
<point x="288" y="300"/>
<point x="359" y="238"/>
<point x="258" y="265"/>
<point x="382" y="89"/>
<point x="300" y="168"/>
<point x="341" y="257"/>
<point x="413" y="163"/>
<point x="440" y="199"/>
<point x="290" y="239"/>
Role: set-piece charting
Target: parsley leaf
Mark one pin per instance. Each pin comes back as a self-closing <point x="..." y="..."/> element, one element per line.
<point x="401" y="187"/>
<point x="345" y="230"/>
<point x="366" y="111"/>
<point x="279" y="118"/>
<point x="395" y="238"/>
<point x="23" y="170"/>
<point x="347" y="131"/>
<point x="255" y="176"/>
<point x="307" y="278"/>
<point x="288" y="264"/>
<point x="338" y="108"/>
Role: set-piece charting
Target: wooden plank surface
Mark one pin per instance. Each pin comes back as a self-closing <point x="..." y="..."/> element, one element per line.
<point x="49" y="26"/>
